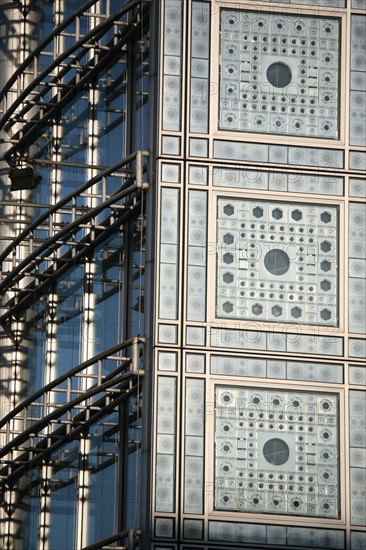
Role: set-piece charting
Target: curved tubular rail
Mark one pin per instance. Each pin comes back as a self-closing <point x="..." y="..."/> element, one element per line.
<point x="56" y="31"/>
<point x="59" y="411"/>
<point x="76" y="425"/>
<point x="66" y="438"/>
<point x="130" y="535"/>
<point x="94" y="34"/>
<point x="104" y="59"/>
<point x="63" y="233"/>
<point x="73" y="194"/>
<point x="30" y="296"/>
<point x="46" y="247"/>
<point x="72" y="372"/>
<point x="98" y="30"/>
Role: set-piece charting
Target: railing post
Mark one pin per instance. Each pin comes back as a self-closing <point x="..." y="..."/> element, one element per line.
<point x="139" y="168"/>
<point x="135" y="355"/>
<point x="131" y="545"/>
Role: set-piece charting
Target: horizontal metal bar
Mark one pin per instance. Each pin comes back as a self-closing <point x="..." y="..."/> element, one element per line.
<point x="114" y="538"/>
<point x="38" y="50"/>
<point x="69" y="374"/>
<point x="52" y="210"/>
<point x="100" y="29"/>
<point x="67" y="164"/>
<point x="10" y="479"/>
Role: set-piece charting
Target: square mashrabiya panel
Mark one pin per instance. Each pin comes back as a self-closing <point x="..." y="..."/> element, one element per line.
<point x="279" y="74"/>
<point x="276" y="451"/>
<point x="277" y="261"/>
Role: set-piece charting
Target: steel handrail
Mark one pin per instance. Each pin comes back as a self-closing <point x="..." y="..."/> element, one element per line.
<point x="70" y="435"/>
<point x="105" y="58"/>
<point x="72" y="372"/>
<point x="56" y="31"/>
<point x="100" y="29"/>
<point x="62" y="202"/>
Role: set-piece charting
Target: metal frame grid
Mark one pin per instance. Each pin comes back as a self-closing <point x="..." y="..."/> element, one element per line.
<point x="293" y="170"/>
<point x="54" y="119"/>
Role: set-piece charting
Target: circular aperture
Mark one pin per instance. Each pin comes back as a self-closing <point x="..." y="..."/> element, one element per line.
<point x="277" y="262"/>
<point x="276" y="451"/>
<point x="279" y="74"/>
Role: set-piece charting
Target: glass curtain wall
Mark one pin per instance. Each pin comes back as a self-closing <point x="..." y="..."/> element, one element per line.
<point x="80" y="291"/>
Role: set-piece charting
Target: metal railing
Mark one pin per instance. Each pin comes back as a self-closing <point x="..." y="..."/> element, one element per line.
<point x="63" y="409"/>
<point x="75" y="70"/>
<point x="132" y="538"/>
<point x="77" y="237"/>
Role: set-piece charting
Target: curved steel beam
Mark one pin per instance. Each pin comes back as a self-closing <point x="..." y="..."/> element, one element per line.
<point x="86" y="245"/>
<point x="72" y="372"/>
<point x="13" y="469"/>
<point x="30" y="133"/>
<point x="67" y="437"/>
<point x="60" y="411"/>
<point x="66" y="231"/>
<point x="98" y="30"/>
<point x="73" y="194"/>
<point x="56" y="31"/>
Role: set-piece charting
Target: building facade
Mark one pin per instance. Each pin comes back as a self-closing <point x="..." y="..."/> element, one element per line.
<point x="183" y="274"/>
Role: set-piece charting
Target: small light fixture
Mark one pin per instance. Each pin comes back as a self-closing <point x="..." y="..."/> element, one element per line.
<point x="23" y="177"/>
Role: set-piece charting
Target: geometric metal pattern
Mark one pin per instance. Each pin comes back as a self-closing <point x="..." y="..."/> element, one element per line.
<point x="165" y="444"/>
<point x="279" y="74"/>
<point x="357" y="106"/>
<point x="357" y="422"/>
<point x="194" y="446"/>
<point x="200" y="53"/>
<point x="357" y="267"/>
<point x="283" y="154"/>
<point x="169" y="253"/>
<point x="172" y="65"/>
<point x="294" y="344"/>
<point x="276" y="451"/>
<point x="277" y="261"/>
<point x="278" y="536"/>
<point x="225" y="365"/>
<point x="196" y="258"/>
<point x="285" y="447"/>
<point x="280" y="181"/>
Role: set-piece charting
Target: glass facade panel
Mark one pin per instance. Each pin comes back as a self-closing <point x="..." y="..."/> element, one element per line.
<point x="182" y="316"/>
<point x="277" y="261"/>
<point x="276" y="452"/>
<point x="58" y="517"/>
<point x="279" y="74"/>
<point x="165" y="445"/>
